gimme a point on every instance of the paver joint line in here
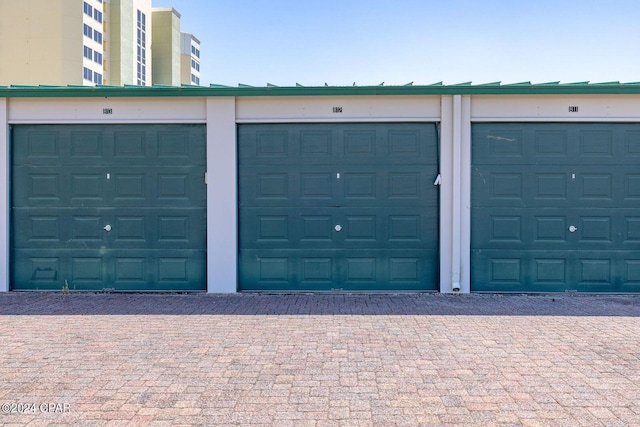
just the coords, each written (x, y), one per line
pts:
(340, 360)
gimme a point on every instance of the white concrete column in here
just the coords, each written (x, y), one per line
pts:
(446, 192)
(455, 194)
(222, 207)
(465, 195)
(456, 223)
(5, 165)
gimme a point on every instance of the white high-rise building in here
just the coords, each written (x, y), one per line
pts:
(129, 42)
(190, 59)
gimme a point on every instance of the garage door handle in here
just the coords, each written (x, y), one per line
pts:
(107, 227)
(337, 227)
(573, 228)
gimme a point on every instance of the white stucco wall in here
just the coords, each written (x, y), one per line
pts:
(4, 199)
(222, 211)
(455, 113)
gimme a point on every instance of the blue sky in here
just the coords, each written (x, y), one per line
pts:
(368, 42)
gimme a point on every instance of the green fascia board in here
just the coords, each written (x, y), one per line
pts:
(254, 91)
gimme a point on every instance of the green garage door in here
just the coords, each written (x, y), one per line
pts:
(555, 207)
(338, 206)
(117, 207)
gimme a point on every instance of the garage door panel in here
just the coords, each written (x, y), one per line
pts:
(595, 230)
(317, 187)
(631, 268)
(499, 186)
(181, 147)
(317, 143)
(121, 207)
(273, 186)
(338, 228)
(132, 271)
(305, 271)
(563, 216)
(277, 269)
(180, 229)
(617, 228)
(269, 227)
(340, 186)
(88, 271)
(555, 143)
(81, 145)
(631, 229)
(533, 271)
(521, 228)
(504, 227)
(495, 270)
(352, 144)
(38, 271)
(179, 269)
(87, 146)
(37, 147)
(402, 269)
(631, 187)
(312, 186)
(409, 186)
(555, 186)
(100, 186)
(148, 227)
(406, 229)
(596, 143)
(282, 227)
(336, 206)
(49, 269)
(262, 145)
(87, 229)
(551, 228)
(87, 187)
(40, 186)
(330, 270)
(392, 228)
(51, 228)
(632, 143)
(408, 144)
(41, 227)
(363, 143)
(551, 145)
(177, 186)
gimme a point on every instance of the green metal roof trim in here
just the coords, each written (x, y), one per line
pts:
(495, 88)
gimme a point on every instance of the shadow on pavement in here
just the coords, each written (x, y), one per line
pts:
(42, 303)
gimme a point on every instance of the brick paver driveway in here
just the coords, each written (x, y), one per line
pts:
(319, 360)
